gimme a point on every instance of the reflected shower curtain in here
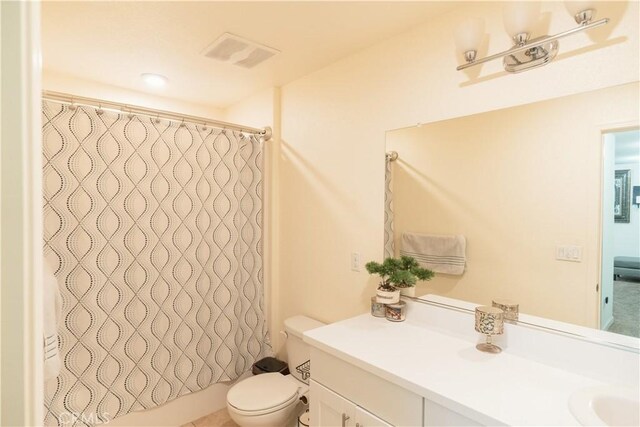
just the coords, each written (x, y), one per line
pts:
(154, 230)
(389, 246)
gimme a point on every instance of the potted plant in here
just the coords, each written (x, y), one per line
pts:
(396, 274)
(406, 277)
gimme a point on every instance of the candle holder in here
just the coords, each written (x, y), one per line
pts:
(490, 322)
(377, 308)
(510, 308)
(396, 312)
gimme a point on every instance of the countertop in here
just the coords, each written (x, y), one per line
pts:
(489, 388)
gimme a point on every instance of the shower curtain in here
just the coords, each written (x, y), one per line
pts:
(389, 245)
(154, 230)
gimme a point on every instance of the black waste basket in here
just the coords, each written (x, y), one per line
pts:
(270, 364)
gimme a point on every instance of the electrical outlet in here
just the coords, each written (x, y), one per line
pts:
(355, 261)
(569, 253)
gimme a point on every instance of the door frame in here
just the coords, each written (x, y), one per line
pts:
(601, 131)
(21, 351)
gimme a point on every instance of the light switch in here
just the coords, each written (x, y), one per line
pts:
(355, 261)
(569, 253)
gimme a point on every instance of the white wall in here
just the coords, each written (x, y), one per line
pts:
(54, 81)
(626, 236)
(333, 137)
(257, 111)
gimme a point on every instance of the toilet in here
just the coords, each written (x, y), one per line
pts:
(272, 399)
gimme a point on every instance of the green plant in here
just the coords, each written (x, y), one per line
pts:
(384, 270)
(403, 272)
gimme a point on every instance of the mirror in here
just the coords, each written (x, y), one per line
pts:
(531, 189)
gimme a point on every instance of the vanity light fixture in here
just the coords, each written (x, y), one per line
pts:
(154, 80)
(527, 53)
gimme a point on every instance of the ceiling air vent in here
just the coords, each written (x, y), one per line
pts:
(239, 51)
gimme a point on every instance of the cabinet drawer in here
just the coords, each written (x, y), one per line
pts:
(391, 403)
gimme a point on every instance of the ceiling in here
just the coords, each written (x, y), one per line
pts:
(114, 42)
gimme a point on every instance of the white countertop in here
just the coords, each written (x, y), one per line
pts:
(489, 388)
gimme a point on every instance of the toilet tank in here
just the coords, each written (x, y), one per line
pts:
(298, 350)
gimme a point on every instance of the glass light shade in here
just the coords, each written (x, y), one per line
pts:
(578, 6)
(520, 16)
(469, 34)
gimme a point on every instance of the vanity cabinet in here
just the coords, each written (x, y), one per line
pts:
(426, 371)
(344, 395)
(338, 388)
(330, 409)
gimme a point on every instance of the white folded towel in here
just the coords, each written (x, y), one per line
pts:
(442, 254)
(51, 315)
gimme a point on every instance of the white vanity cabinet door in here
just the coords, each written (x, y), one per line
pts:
(390, 402)
(329, 409)
(367, 419)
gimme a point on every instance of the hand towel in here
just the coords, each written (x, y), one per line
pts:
(442, 254)
(52, 311)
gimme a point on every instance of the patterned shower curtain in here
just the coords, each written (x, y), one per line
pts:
(389, 245)
(154, 230)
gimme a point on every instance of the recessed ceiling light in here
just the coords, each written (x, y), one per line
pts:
(154, 80)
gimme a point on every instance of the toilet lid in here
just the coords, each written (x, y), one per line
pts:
(262, 392)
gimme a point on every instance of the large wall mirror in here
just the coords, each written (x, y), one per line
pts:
(537, 192)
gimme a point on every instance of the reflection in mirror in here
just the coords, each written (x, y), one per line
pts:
(529, 192)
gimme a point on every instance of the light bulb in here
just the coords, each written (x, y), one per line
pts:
(520, 16)
(469, 34)
(154, 80)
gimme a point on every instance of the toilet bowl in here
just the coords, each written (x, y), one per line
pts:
(265, 400)
(273, 399)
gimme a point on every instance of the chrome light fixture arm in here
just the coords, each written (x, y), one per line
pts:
(530, 45)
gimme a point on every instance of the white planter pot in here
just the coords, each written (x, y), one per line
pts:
(386, 297)
(408, 292)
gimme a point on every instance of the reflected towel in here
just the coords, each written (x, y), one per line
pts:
(52, 311)
(442, 254)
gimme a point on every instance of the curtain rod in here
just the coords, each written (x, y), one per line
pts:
(150, 112)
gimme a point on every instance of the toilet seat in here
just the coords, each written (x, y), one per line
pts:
(267, 410)
(262, 394)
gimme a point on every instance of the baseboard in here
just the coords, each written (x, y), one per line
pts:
(608, 325)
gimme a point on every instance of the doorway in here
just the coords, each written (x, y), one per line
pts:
(620, 296)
